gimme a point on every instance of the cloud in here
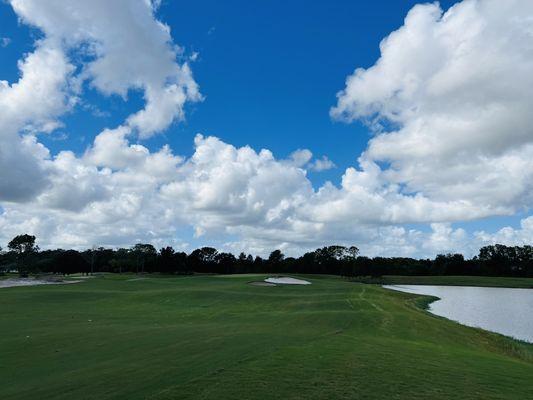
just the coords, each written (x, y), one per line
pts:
(118, 193)
(508, 235)
(65, 195)
(222, 186)
(321, 164)
(127, 48)
(4, 41)
(300, 157)
(31, 104)
(86, 42)
(243, 199)
(448, 102)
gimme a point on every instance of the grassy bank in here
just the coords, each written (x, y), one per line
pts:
(216, 337)
(487, 281)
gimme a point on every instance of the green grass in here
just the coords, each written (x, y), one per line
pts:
(215, 337)
(487, 281)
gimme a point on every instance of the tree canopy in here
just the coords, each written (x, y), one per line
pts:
(496, 260)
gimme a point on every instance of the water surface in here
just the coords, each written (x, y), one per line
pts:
(502, 310)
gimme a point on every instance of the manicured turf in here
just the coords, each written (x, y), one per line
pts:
(487, 281)
(216, 337)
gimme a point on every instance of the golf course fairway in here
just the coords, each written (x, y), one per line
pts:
(217, 337)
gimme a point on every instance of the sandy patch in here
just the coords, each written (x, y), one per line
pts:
(5, 283)
(286, 280)
(261, 283)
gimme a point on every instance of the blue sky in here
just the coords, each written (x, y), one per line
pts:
(269, 73)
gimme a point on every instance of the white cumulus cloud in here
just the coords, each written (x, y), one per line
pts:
(448, 102)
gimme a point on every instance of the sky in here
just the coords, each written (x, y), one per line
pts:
(401, 128)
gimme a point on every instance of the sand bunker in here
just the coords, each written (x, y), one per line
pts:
(285, 280)
(261, 283)
(5, 283)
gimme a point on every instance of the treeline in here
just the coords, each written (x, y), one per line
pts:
(25, 257)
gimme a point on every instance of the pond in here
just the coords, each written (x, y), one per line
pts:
(502, 310)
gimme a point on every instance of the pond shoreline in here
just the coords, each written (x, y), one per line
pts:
(504, 311)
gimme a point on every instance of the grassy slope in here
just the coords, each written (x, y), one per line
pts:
(214, 337)
(487, 281)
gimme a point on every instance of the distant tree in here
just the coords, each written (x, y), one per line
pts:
(352, 252)
(335, 259)
(4, 263)
(449, 264)
(241, 264)
(144, 253)
(274, 260)
(70, 262)
(23, 246)
(203, 260)
(120, 260)
(327, 255)
(525, 260)
(242, 257)
(93, 258)
(180, 259)
(307, 263)
(362, 267)
(376, 270)
(225, 263)
(259, 264)
(276, 257)
(497, 260)
(501, 260)
(244, 263)
(167, 262)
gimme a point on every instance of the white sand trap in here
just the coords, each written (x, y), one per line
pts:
(83, 276)
(286, 280)
(5, 283)
(261, 283)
